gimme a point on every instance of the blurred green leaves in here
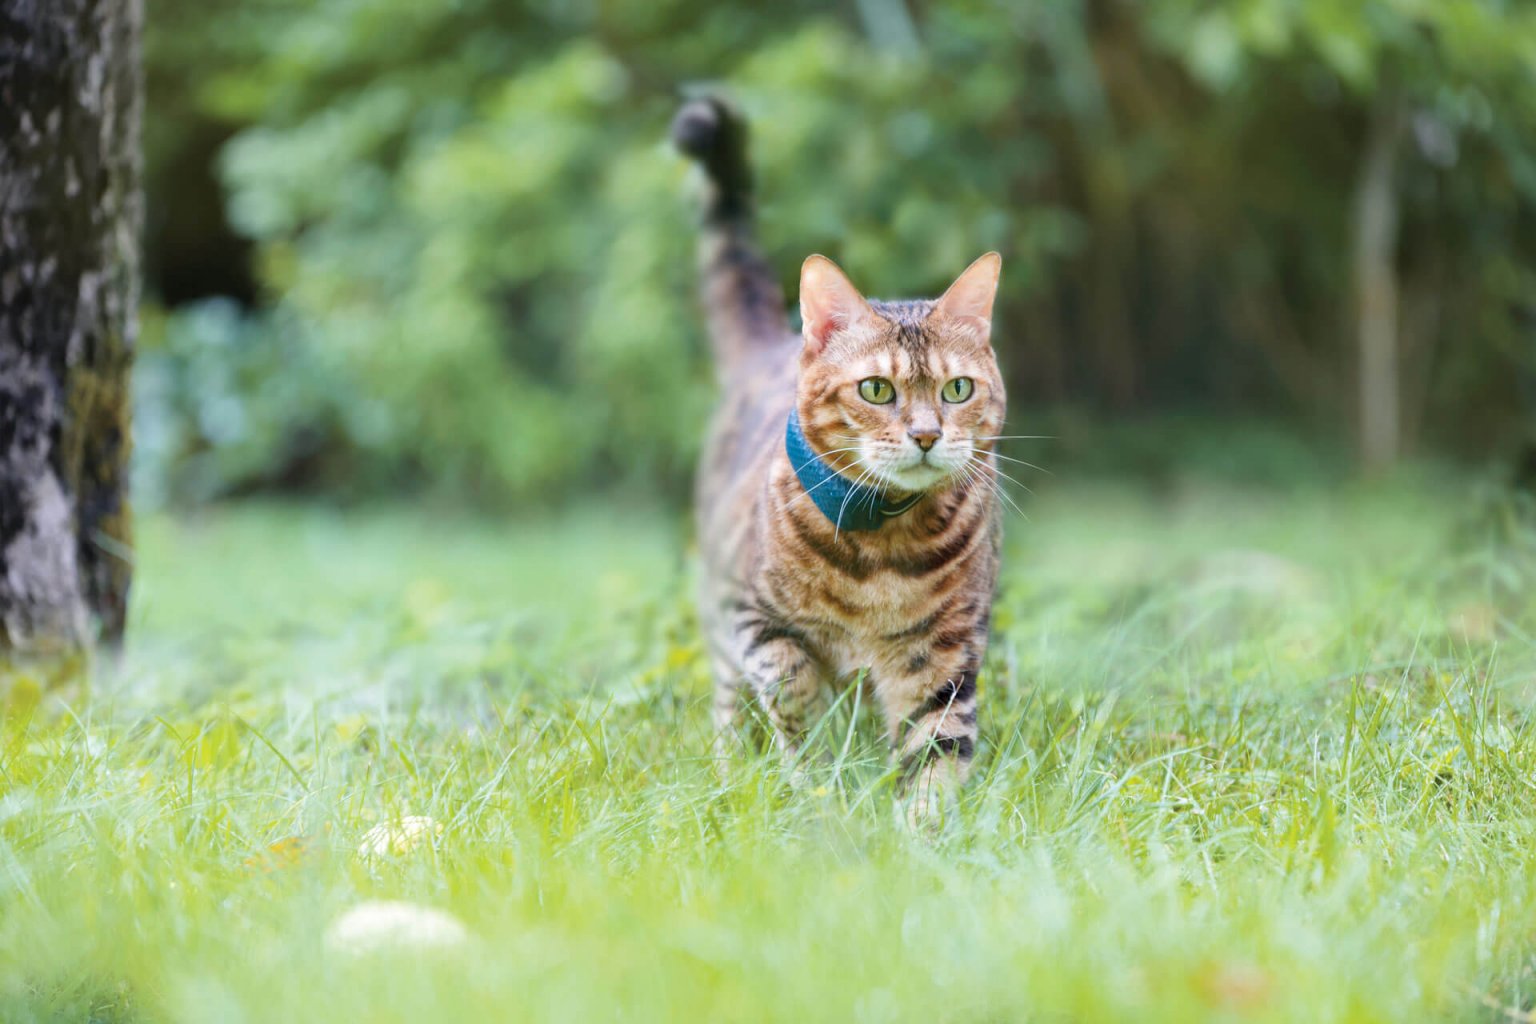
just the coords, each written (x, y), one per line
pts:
(474, 246)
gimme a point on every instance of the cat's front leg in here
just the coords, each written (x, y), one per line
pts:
(784, 676)
(929, 696)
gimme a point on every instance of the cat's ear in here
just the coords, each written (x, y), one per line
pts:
(969, 300)
(828, 302)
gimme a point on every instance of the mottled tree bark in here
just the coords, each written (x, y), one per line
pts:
(70, 215)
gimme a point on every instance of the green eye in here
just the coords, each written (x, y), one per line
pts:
(959, 389)
(876, 390)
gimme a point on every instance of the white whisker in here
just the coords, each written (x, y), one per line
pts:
(821, 455)
(837, 475)
(1013, 480)
(1017, 437)
(1009, 458)
(837, 524)
(977, 463)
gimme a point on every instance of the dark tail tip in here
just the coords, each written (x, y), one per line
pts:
(712, 132)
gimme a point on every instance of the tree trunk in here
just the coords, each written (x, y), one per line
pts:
(70, 215)
(1375, 280)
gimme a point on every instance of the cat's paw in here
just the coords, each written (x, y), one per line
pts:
(928, 810)
(918, 818)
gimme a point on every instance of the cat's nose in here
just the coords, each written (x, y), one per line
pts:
(924, 436)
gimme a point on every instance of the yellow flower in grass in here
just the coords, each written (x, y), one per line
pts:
(395, 838)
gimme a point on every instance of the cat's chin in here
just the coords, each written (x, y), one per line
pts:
(916, 479)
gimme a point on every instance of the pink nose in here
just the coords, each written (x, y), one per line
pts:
(924, 436)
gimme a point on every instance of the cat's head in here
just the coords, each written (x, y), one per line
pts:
(904, 395)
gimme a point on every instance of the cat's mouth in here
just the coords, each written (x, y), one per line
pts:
(920, 473)
(908, 469)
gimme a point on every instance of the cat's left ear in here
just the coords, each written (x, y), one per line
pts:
(968, 301)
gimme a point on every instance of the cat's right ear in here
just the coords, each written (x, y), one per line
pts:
(828, 302)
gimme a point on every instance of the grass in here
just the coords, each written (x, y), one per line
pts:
(1248, 755)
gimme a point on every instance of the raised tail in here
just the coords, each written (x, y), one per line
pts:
(742, 301)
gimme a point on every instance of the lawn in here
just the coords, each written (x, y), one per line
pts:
(1248, 754)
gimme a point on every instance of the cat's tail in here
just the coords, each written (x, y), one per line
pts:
(742, 300)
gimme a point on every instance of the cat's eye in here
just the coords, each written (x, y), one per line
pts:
(959, 389)
(876, 390)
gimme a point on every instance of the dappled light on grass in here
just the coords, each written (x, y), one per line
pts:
(1233, 765)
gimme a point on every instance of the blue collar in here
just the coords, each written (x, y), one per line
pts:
(847, 505)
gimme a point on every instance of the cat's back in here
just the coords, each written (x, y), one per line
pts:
(745, 433)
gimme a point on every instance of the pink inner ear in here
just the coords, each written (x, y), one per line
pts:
(828, 300)
(970, 297)
(819, 329)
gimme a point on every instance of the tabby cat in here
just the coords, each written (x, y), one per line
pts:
(847, 506)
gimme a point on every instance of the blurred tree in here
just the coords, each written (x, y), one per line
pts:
(1376, 289)
(1433, 97)
(69, 220)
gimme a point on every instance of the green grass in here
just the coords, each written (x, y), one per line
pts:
(1248, 755)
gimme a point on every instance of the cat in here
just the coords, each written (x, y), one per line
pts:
(847, 506)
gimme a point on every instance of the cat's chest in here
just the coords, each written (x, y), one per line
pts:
(888, 621)
(852, 615)
(856, 595)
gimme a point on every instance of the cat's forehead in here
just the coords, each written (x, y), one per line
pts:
(905, 339)
(904, 325)
(904, 313)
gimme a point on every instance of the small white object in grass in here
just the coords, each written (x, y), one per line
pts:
(384, 925)
(398, 837)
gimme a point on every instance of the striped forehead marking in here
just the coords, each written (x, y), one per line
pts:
(909, 318)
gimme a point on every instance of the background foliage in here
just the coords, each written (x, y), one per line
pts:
(444, 246)
(1258, 740)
